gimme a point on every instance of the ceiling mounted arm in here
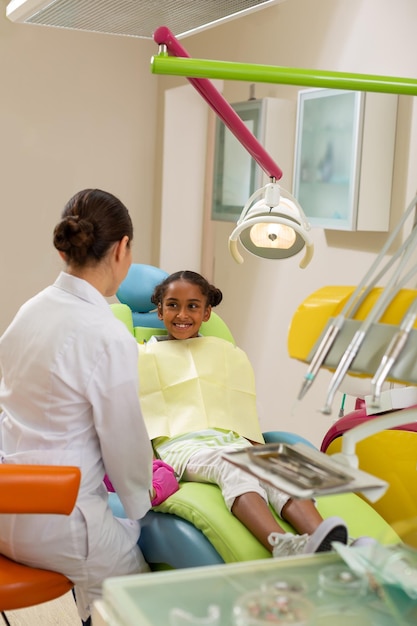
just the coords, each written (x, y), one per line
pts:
(278, 75)
(274, 227)
(163, 36)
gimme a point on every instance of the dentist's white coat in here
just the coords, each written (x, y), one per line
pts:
(69, 394)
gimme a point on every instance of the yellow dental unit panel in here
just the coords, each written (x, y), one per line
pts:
(314, 313)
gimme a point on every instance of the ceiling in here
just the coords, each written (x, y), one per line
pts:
(135, 18)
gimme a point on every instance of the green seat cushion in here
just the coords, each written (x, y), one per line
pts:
(124, 314)
(202, 505)
(216, 327)
(142, 333)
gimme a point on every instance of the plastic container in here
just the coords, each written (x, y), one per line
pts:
(179, 617)
(270, 608)
(339, 580)
(285, 584)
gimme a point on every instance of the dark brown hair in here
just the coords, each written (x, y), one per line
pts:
(214, 296)
(92, 220)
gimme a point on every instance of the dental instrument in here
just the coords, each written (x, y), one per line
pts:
(392, 288)
(363, 289)
(392, 354)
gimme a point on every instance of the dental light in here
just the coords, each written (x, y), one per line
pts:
(274, 227)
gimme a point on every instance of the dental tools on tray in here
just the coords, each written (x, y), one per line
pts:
(368, 346)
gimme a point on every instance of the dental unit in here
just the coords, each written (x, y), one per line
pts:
(364, 288)
(172, 59)
(389, 292)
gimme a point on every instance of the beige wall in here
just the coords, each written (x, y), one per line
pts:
(76, 110)
(80, 109)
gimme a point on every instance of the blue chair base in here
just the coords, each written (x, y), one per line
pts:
(165, 535)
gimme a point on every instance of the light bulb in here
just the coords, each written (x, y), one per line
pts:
(266, 235)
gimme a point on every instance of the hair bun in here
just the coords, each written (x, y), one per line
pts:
(75, 236)
(92, 221)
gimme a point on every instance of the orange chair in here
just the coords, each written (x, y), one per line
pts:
(34, 489)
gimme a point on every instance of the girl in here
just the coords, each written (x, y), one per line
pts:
(184, 301)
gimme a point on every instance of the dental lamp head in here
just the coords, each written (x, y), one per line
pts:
(274, 227)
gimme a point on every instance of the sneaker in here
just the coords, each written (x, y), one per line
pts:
(287, 544)
(362, 541)
(330, 530)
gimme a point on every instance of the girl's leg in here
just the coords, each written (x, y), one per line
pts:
(302, 515)
(248, 501)
(254, 513)
(242, 493)
(306, 520)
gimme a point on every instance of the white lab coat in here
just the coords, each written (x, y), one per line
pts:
(69, 394)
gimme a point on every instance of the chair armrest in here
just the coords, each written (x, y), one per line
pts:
(38, 488)
(280, 436)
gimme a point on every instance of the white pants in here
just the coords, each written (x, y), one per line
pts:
(207, 466)
(64, 544)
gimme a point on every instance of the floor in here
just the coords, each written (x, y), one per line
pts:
(60, 612)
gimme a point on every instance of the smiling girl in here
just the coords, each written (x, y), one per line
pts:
(184, 301)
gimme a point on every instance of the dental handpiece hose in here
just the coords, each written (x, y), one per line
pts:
(344, 364)
(320, 355)
(363, 289)
(391, 356)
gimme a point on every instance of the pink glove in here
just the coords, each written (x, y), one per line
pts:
(164, 481)
(108, 484)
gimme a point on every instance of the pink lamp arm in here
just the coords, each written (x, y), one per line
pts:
(221, 107)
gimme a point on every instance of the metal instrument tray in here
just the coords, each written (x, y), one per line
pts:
(284, 460)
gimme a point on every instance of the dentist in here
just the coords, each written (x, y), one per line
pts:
(69, 396)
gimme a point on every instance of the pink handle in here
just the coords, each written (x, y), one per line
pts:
(221, 107)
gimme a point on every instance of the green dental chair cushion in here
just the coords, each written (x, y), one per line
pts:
(202, 505)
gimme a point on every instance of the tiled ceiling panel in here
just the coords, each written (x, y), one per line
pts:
(135, 18)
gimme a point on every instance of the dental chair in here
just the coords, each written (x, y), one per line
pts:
(193, 527)
(34, 489)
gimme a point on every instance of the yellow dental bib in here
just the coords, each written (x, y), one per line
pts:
(194, 384)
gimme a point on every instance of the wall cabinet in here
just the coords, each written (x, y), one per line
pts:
(344, 156)
(236, 175)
